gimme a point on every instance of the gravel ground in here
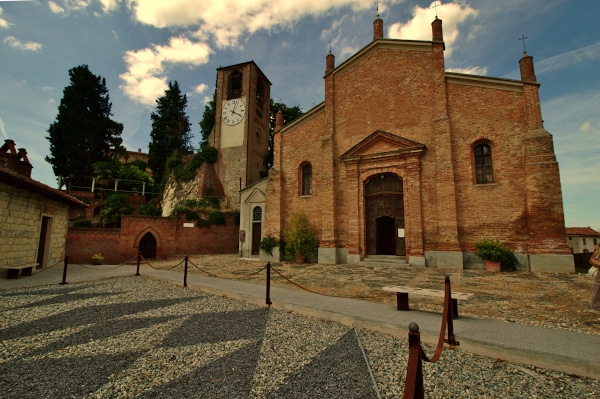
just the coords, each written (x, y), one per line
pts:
(138, 337)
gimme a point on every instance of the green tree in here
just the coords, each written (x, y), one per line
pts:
(289, 114)
(115, 205)
(208, 118)
(83, 132)
(170, 130)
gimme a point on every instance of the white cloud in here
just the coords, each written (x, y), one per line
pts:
(55, 8)
(226, 21)
(473, 70)
(2, 129)
(201, 88)
(585, 126)
(16, 43)
(109, 5)
(579, 56)
(419, 27)
(145, 78)
(3, 23)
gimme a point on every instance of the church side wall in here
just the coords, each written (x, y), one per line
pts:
(304, 144)
(496, 116)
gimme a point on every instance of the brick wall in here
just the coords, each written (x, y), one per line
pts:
(172, 239)
(401, 88)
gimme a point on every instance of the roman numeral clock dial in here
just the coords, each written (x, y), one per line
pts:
(233, 112)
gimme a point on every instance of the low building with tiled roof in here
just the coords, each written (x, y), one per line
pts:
(582, 239)
(33, 216)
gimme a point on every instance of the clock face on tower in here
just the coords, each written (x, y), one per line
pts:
(233, 111)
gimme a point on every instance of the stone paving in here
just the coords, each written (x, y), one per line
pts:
(553, 300)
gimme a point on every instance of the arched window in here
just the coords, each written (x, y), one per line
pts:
(257, 214)
(306, 179)
(483, 164)
(234, 89)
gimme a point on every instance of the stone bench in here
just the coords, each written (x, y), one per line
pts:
(13, 271)
(402, 296)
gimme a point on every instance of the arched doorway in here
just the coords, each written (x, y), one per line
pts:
(147, 246)
(384, 204)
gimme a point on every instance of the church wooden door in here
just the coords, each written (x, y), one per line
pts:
(384, 205)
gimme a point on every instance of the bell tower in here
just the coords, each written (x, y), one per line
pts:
(241, 131)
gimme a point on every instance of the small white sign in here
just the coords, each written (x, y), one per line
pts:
(400, 233)
(188, 225)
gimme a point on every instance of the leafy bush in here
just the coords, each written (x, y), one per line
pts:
(268, 243)
(202, 223)
(149, 209)
(191, 215)
(492, 250)
(300, 237)
(217, 217)
(114, 205)
(97, 258)
(82, 223)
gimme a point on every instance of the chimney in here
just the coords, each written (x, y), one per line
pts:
(14, 160)
(378, 28)
(526, 66)
(23, 155)
(278, 121)
(437, 32)
(329, 63)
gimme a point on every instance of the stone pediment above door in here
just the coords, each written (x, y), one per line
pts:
(382, 145)
(256, 196)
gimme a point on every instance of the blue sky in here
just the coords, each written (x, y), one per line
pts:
(138, 46)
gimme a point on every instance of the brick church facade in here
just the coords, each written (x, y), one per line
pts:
(403, 158)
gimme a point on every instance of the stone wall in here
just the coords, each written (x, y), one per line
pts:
(21, 215)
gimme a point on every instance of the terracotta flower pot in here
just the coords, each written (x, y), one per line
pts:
(492, 266)
(299, 258)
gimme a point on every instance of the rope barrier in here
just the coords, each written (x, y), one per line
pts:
(202, 270)
(48, 268)
(161, 268)
(316, 292)
(226, 278)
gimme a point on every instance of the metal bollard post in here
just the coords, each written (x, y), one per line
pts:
(185, 272)
(413, 386)
(269, 284)
(452, 312)
(64, 280)
(137, 272)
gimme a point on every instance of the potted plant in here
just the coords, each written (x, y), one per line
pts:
(495, 254)
(268, 243)
(97, 259)
(301, 239)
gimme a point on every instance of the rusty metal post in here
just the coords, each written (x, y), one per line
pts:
(413, 386)
(64, 280)
(452, 311)
(269, 284)
(185, 272)
(139, 257)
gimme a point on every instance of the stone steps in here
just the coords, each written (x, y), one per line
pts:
(385, 259)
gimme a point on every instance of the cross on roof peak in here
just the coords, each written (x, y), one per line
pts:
(523, 37)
